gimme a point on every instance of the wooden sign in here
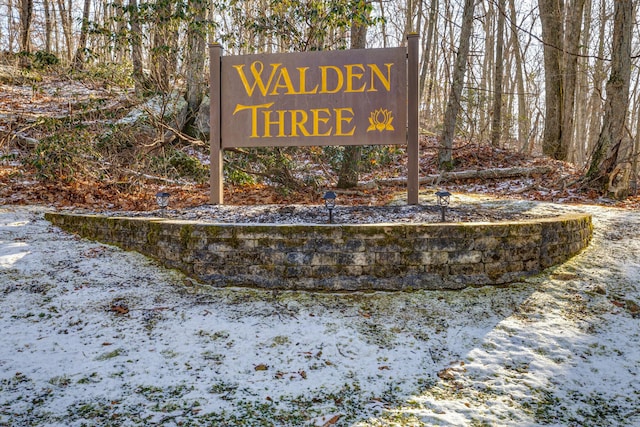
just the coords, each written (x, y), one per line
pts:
(349, 97)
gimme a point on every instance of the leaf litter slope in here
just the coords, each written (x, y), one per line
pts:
(95, 335)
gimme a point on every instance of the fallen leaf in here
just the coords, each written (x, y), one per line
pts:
(446, 374)
(331, 421)
(632, 307)
(119, 309)
(261, 367)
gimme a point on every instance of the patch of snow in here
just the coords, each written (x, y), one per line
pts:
(95, 335)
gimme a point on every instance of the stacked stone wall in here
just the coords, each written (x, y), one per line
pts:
(344, 257)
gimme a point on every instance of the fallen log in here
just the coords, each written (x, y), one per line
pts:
(494, 173)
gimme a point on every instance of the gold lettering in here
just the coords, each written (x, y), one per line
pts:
(284, 82)
(340, 112)
(357, 76)
(268, 123)
(254, 115)
(386, 81)
(297, 124)
(324, 79)
(317, 120)
(257, 67)
(302, 71)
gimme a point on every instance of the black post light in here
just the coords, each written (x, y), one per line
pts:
(330, 203)
(162, 199)
(443, 201)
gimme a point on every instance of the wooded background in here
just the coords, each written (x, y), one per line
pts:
(552, 77)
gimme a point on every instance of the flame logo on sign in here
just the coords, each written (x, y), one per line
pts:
(380, 120)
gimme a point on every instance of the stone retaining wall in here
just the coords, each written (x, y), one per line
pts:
(344, 257)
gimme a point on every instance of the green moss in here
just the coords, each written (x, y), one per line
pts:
(186, 232)
(153, 235)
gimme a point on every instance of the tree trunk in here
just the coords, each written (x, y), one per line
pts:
(577, 153)
(26, 16)
(161, 50)
(350, 168)
(572, 46)
(78, 59)
(486, 84)
(426, 53)
(523, 116)
(383, 24)
(551, 12)
(445, 157)
(66, 27)
(136, 46)
(194, 62)
(599, 76)
(610, 163)
(496, 123)
(47, 26)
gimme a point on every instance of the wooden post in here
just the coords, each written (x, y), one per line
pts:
(413, 147)
(215, 168)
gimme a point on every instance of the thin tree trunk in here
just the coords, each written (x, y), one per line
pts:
(26, 16)
(577, 154)
(136, 46)
(523, 115)
(383, 25)
(433, 8)
(47, 26)
(572, 47)
(445, 156)
(66, 28)
(496, 123)
(486, 84)
(194, 73)
(78, 60)
(595, 102)
(10, 35)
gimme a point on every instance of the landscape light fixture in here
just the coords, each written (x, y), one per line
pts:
(443, 201)
(330, 203)
(162, 199)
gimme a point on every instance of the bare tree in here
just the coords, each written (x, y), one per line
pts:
(65, 20)
(571, 46)
(496, 123)
(136, 45)
(523, 115)
(26, 16)
(551, 15)
(610, 168)
(445, 157)
(78, 59)
(48, 23)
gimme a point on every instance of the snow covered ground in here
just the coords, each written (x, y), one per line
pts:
(92, 335)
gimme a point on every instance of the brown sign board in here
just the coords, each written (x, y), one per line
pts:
(349, 97)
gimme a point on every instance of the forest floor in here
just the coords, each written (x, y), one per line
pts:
(93, 335)
(25, 109)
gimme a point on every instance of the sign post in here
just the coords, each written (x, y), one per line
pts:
(351, 97)
(413, 146)
(216, 178)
